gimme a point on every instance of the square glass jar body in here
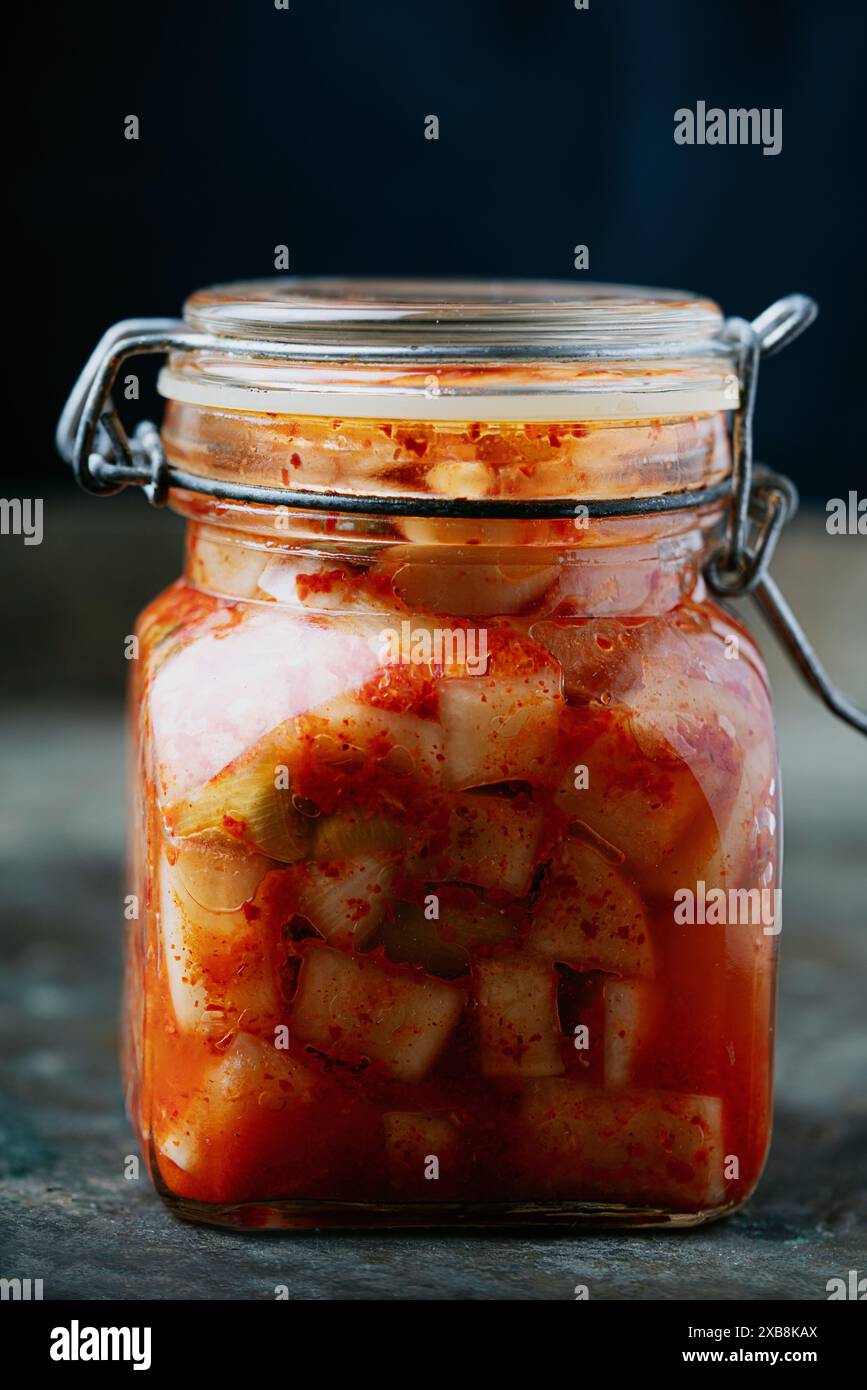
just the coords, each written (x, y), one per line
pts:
(458, 840)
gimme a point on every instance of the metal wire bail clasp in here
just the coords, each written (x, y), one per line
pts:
(90, 435)
(768, 500)
(736, 567)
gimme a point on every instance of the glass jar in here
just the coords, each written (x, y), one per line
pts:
(456, 819)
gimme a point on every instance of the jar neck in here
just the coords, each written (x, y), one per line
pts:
(327, 562)
(323, 563)
(446, 459)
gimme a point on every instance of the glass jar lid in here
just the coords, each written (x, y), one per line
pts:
(366, 316)
(454, 350)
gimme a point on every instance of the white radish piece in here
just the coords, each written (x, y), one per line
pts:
(187, 990)
(228, 565)
(344, 733)
(490, 841)
(499, 730)
(324, 585)
(629, 1019)
(345, 899)
(590, 916)
(519, 1033)
(639, 1147)
(414, 1138)
(650, 808)
(251, 1076)
(465, 583)
(354, 1009)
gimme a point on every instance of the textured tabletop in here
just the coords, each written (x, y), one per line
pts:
(70, 1217)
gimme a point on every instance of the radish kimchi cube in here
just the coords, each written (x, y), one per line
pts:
(631, 1146)
(590, 916)
(354, 1009)
(519, 1031)
(499, 731)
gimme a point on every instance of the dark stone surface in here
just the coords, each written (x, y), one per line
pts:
(69, 1217)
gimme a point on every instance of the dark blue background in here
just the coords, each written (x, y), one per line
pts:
(305, 127)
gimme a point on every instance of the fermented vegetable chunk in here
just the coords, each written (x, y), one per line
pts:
(630, 1017)
(746, 855)
(253, 802)
(225, 567)
(347, 737)
(323, 585)
(590, 916)
(517, 1012)
(251, 1078)
(596, 656)
(442, 944)
(217, 872)
(354, 833)
(651, 1146)
(411, 938)
(345, 900)
(499, 731)
(467, 585)
(423, 1152)
(189, 996)
(254, 1126)
(654, 812)
(354, 1009)
(487, 840)
(664, 773)
(252, 672)
(216, 965)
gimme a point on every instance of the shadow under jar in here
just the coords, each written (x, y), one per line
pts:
(442, 821)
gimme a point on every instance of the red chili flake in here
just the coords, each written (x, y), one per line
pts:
(404, 689)
(321, 582)
(295, 460)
